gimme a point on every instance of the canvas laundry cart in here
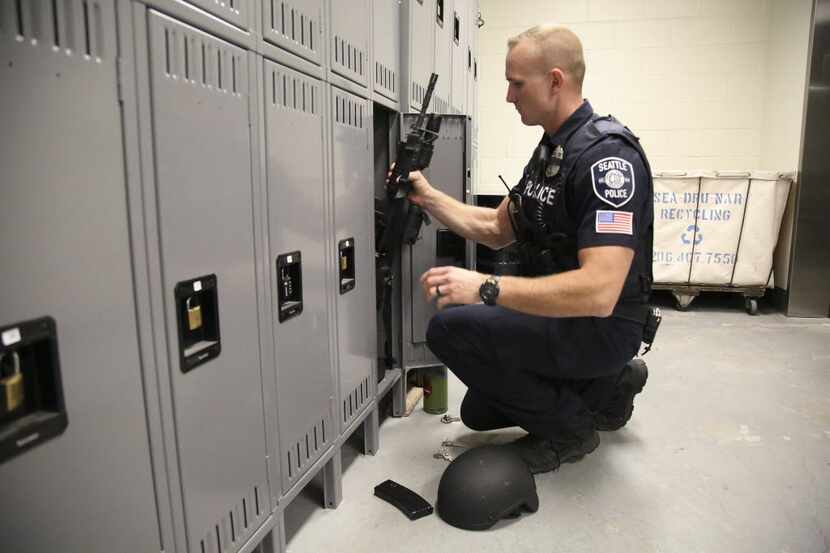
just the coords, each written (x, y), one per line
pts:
(716, 231)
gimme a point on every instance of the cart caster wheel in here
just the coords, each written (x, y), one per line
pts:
(751, 306)
(683, 301)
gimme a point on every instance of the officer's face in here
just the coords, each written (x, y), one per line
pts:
(528, 86)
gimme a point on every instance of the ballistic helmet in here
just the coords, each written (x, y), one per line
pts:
(484, 485)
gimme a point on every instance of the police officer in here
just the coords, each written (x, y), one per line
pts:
(550, 351)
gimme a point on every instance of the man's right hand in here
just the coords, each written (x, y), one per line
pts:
(420, 188)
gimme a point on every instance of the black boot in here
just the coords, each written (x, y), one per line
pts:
(546, 454)
(620, 406)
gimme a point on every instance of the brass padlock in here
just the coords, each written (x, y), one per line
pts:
(11, 387)
(194, 315)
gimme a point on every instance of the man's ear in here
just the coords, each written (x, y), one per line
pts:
(557, 79)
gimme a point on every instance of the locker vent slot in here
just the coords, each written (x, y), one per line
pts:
(356, 400)
(349, 56)
(385, 77)
(196, 60)
(294, 92)
(418, 93)
(306, 449)
(74, 25)
(348, 112)
(291, 23)
(230, 531)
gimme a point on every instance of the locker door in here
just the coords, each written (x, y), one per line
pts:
(349, 41)
(460, 42)
(354, 237)
(387, 47)
(295, 25)
(419, 29)
(200, 102)
(472, 54)
(443, 45)
(475, 75)
(296, 223)
(65, 253)
(436, 246)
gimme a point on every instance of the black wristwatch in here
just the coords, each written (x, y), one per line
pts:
(489, 290)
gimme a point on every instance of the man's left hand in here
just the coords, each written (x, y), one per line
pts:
(452, 285)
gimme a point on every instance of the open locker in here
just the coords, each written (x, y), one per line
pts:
(436, 245)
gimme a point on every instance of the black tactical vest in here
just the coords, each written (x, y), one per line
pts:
(548, 243)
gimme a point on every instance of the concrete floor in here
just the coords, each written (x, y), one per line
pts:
(728, 450)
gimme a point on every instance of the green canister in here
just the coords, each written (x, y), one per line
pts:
(435, 390)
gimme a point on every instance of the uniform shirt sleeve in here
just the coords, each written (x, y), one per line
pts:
(610, 195)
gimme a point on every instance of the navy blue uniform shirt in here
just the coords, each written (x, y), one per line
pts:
(607, 192)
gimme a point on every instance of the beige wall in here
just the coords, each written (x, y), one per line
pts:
(706, 84)
(690, 77)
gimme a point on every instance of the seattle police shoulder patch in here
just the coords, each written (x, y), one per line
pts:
(613, 179)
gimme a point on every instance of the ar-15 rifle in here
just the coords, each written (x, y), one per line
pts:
(414, 154)
(403, 219)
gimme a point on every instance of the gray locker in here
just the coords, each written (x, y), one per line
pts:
(460, 50)
(471, 74)
(203, 184)
(418, 55)
(472, 31)
(443, 45)
(295, 25)
(353, 197)
(473, 92)
(386, 46)
(436, 245)
(476, 95)
(295, 180)
(65, 250)
(236, 12)
(349, 39)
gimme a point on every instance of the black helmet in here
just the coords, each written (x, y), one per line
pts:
(484, 485)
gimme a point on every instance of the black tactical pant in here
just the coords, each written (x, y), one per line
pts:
(543, 374)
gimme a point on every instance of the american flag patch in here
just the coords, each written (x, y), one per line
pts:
(615, 222)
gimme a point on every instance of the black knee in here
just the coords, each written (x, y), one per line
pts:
(477, 414)
(472, 422)
(468, 416)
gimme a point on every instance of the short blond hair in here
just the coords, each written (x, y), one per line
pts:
(558, 47)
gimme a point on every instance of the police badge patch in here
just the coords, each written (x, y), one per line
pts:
(613, 180)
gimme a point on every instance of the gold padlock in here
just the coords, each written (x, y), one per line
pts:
(194, 315)
(11, 387)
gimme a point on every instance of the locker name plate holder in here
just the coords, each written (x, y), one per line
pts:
(197, 314)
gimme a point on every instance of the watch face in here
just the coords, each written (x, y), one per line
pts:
(489, 291)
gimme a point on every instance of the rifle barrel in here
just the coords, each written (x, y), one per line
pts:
(427, 97)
